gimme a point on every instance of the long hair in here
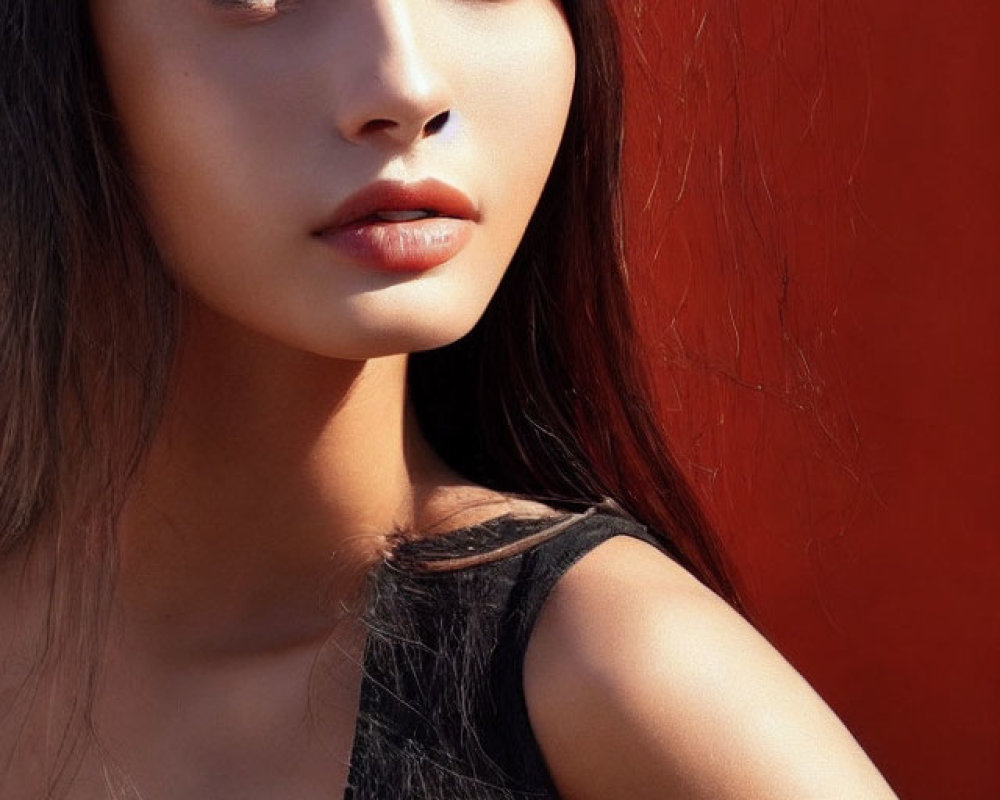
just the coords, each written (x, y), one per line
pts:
(87, 330)
(546, 396)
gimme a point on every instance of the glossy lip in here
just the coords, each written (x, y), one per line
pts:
(430, 194)
(403, 247)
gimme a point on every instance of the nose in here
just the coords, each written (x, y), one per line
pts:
(391, 93)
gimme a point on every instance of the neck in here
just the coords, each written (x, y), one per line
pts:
(269, 489)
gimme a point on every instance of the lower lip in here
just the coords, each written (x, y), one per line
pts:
(413, 246)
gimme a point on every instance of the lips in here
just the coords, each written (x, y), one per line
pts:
(398, 227)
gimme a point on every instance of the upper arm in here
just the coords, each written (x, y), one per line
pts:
(641, 683)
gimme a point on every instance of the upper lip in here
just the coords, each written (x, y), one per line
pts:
(429, 194)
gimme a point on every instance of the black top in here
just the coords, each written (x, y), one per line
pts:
(442, 710)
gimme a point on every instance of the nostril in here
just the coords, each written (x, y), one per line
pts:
(437, 123)
(376, 125)
(393, 127)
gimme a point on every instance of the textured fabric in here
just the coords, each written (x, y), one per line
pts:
(442, 710)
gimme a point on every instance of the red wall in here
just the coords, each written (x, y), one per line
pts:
(813, 227)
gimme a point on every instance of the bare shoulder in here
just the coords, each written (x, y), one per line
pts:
(642, 683)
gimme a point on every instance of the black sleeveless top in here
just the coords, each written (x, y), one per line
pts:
(442, 710)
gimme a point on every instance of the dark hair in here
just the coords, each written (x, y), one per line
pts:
(548, 395)
(545, 397)
(87, 326)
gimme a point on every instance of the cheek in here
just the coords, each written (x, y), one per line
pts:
(521, 93)
(518, 100)
(196, 135)
(197, 168)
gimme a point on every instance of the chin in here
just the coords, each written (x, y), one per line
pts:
(406, 319)
(379, 321)
(412, 332)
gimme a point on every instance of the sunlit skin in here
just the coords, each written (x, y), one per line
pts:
(248, 128)
(288, 449)
(248, 125)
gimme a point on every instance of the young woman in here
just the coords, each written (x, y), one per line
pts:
(252, 548)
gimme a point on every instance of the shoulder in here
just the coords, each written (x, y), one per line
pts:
(641, 683)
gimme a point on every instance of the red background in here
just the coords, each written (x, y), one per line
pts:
(813, 211)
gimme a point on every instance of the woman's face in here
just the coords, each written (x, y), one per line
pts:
(289, 153)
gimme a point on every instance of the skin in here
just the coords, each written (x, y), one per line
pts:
(641, 683)
(289, 449)
(247, 128)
